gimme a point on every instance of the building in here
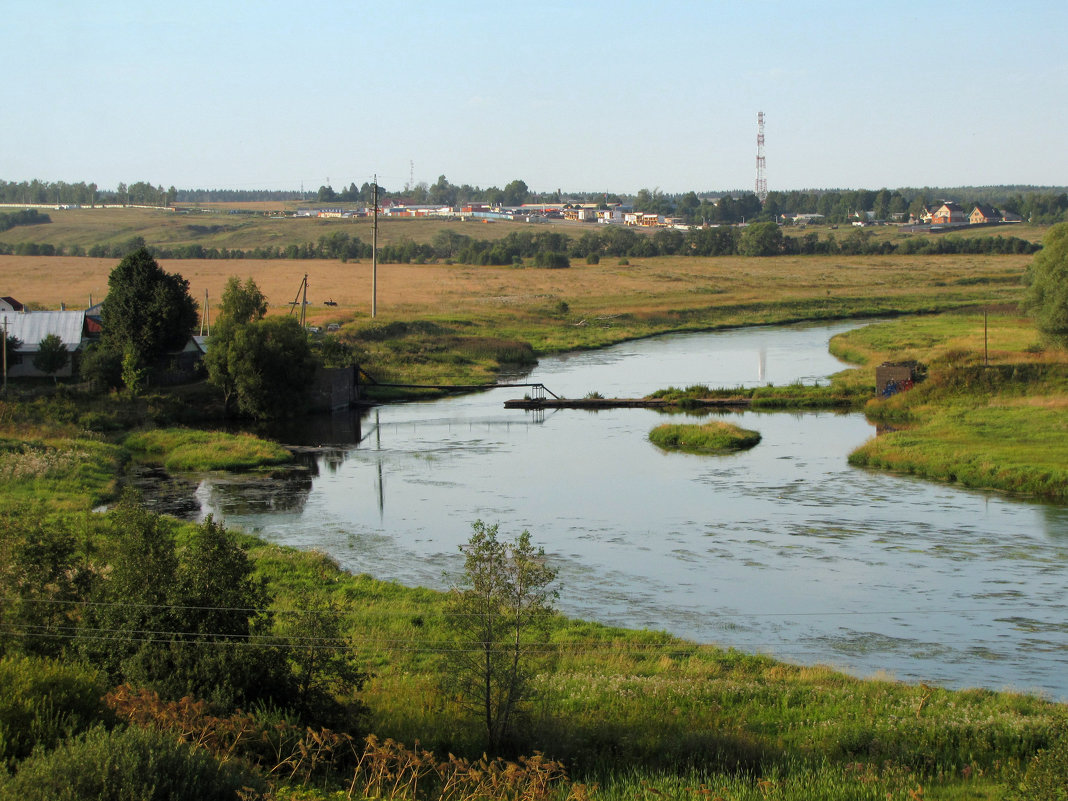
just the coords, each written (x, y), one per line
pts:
(949, 213)
(30, 328)
(10, 305)
(984, 214)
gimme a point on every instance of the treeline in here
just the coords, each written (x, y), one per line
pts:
(26, 217)
(1042, 205)
(546, 247)
(61, 193)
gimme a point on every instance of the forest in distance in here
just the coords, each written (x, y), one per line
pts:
(1037, 204)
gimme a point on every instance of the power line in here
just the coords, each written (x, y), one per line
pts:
(409, 613)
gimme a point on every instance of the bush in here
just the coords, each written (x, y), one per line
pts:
(1046, 777)
(42, 701)
(128, 764)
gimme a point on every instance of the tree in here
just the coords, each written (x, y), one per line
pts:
(324, 670)
(515, 193)
(263, 365)
(11, 345)
(147, 308)
(51, 356)
(1047, 295)
(761, 239)
(182, 620)
(134, 376)
(39, 578)
(498, 612)
(243, 303)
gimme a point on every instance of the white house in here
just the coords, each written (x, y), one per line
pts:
(30, 328)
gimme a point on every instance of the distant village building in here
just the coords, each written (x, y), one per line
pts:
(949, 213)
(30, 328)
(984, 214)
(8, 304)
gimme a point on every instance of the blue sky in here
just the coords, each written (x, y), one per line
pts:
(581, 95)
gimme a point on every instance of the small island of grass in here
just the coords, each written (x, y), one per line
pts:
(705, 438)
(189, 449)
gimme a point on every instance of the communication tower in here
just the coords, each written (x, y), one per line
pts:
(761, 167)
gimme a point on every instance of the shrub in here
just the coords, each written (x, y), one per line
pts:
(128, 765)
(43, 701)
(1046, 777)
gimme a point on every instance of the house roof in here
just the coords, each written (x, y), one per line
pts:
(986, 211)
(32, 327)
(14, 304)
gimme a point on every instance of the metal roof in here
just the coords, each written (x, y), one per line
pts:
(32, 327)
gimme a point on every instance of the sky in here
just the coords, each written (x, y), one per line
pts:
(582, 95)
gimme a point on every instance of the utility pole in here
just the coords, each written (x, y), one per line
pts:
(5, 356)
(374, 249)
(986, 340)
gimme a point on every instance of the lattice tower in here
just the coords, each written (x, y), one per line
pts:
(761, 166)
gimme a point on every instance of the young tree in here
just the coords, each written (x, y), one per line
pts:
(325, 673)
(51, 356)
(1047, 296)
(39, 580)
(242, 303)
(147, 308)
(11, 346)
(498, 612)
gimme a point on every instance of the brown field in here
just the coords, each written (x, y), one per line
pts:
(646, 287)
(215, 228)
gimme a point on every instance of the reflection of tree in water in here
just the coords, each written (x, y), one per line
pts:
(164, 493)
(283, 489)
(1055, 518)
(317, 430)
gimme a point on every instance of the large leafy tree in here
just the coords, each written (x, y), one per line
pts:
(498, 613)
(147, 308)
(264, 366)
(1047, 296)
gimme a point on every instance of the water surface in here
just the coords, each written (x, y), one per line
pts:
(783, 549)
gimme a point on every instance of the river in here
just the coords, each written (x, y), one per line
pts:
(783, 549)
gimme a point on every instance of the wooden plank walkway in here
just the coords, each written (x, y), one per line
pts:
(625, 403)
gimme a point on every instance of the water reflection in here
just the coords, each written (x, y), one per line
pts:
(284, 489)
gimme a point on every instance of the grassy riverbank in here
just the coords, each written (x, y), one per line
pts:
(189, 449)
(642, 714)
(991, 415)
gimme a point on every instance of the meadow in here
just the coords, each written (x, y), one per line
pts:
(632, 714)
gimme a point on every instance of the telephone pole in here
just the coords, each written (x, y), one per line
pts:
(374, 249)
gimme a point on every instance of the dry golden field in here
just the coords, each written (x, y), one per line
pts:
(656, 286)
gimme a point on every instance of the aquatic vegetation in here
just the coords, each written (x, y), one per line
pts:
(704, 438)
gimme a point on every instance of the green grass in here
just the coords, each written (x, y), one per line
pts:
(703, 438)
(992, 413)
(1003, 428)
(642, 713)
(843, 392)
(71, 473)
(190, 449)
